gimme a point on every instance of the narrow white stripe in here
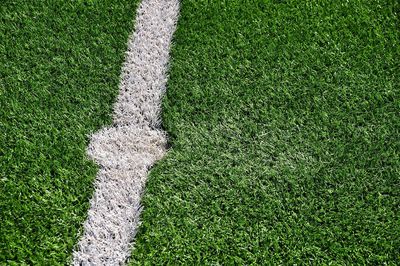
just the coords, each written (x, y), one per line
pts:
(127, 150)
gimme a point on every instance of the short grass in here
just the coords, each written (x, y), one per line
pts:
(284, 125)
(60, 64)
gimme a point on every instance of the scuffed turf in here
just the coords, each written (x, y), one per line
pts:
(60, 65)
(284, 125)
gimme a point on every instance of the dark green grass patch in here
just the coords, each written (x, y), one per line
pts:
(60, 63)
(284, 125)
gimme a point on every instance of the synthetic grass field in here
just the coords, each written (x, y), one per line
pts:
(284, 125)
(60, 65)
(283, 118)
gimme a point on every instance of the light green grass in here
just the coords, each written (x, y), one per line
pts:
(284, 125)
(60, 64)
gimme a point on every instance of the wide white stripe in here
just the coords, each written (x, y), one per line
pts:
(127, 150)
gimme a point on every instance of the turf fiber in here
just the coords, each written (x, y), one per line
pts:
(283, 119)
(60, 65)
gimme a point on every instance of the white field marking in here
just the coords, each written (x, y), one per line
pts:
(127, 150)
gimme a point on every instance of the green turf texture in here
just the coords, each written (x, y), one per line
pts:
(60, 65)
(284, 125)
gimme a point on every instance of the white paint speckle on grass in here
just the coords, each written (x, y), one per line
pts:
(126, 150)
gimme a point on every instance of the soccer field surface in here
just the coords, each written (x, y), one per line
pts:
(282, 119)
(59, 75)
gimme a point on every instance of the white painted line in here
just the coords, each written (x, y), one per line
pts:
(127, 150)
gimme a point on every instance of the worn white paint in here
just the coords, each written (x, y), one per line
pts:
(126, 150)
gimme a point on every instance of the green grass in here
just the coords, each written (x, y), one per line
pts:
(60, 64)
(284, 125)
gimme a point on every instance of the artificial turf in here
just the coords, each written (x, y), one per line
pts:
(60, 65)
(283, 119)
